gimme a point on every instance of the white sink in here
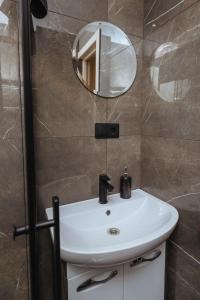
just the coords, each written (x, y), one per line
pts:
(140, 224)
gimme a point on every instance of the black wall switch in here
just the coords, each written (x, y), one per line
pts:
(106, 130)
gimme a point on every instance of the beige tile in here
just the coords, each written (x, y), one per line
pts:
(170, 167)
(91, 10)
(137, 43)
(183, 26)
(12, 208)
(188, 206)
(170, 106)
(170, 170)
(126, 14)
(126, 109)
(9, 96)
(63, 107)
(187, 239)
(60, 23)
(9, 28)
(13, 268)
(13, 262)
(122, 152)
(69, 167)
(159, 12)
(170, 128)
(10, 122)
(9, 58)
(185, 266)
(178, 288)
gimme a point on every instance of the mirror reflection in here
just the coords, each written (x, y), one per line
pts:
(104, 59)
(169, 82)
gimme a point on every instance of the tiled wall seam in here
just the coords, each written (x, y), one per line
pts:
(171, 137)
(185, 252)
(169, 19)
(87, 21)
(186, 282)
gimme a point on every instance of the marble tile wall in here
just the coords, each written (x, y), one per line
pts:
(171, 133)
(158, 12)
(163, 102)
(161, 107)
(68, 157)
(13, 261)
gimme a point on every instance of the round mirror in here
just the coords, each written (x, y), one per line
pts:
(104, 59)
(169, 82)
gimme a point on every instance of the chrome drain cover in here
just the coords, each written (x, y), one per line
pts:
(114, 231)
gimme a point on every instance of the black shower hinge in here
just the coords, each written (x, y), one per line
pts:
(55, 223)
(39, 8)
(21, 230)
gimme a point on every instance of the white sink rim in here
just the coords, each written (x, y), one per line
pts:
(116, 255)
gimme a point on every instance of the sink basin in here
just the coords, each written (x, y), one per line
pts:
(99, 235)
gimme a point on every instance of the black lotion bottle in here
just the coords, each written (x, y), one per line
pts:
(125, 185)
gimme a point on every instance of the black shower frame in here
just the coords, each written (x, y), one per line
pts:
(29, 146)
(29, 159)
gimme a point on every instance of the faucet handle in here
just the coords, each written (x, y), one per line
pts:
(110, 188)
(106, 180)
(104, 177)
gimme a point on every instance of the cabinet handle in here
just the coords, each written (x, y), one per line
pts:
(90, 282)
(154, 255)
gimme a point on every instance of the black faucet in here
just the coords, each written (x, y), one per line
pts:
(104, 188)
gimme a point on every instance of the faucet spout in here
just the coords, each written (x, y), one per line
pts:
(109, 187)
(104, 188)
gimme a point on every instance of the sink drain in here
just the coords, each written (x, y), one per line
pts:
(113, 231)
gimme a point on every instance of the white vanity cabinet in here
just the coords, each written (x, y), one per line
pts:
(97, 284)
(146, 280)
(140, 279)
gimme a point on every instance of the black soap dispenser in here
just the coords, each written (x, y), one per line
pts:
(125, 185)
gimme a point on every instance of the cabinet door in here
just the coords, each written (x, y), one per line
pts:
(145, 280)
(106, 284)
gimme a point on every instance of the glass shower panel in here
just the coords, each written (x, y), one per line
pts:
(13, 255)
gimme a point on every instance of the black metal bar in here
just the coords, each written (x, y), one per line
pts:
(55, 223)
(29, 158)
(39, 8)
(57, 263)
(17, 231)
(45, 224)
(29, 146)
